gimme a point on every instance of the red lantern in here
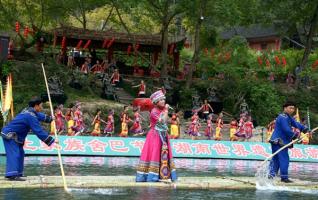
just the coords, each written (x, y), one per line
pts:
(212, 53)
(87, 44)
(137, 46)
(105, 43)
(268, 64)
(315, 65)
(110, 43)
(64, 43)
(17, 27)
(227, 56)
(79, 44)
(284, 61)
(129, 50)
(277, 60)
(26, 32)
(171, 49)
(206, 51)
(259, 60)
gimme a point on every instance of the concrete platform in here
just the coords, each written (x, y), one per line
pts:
(129, 181)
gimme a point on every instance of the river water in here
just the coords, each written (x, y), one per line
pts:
(108, 166)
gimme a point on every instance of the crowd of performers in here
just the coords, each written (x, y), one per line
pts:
(75, 125)
(72, 124)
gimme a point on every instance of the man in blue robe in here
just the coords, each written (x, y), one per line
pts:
(282, 135)
(16, 131)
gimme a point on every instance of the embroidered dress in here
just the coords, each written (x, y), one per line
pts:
(241, 131)
(248, 127)
(59, 121)
(194, 127)
(136, 127)
(78, 122)
(208, 131)
(156, 161)
(109, 129)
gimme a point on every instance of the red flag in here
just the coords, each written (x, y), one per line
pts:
(110, 43)
(17, 27)
(79, 44)
(129, 50)
(64, 42)
(26, 32)
(105, 43)
(87, 44)
(284, 61)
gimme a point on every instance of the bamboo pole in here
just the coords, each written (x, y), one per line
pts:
(53, 124)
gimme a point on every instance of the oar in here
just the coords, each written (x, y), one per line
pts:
(55, 133)
(284, 147)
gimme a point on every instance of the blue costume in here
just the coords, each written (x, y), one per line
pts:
(14, 135)
(281, 136)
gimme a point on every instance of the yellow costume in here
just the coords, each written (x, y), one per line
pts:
(305, 138)
(70, 124)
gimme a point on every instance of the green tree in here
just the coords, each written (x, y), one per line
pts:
(296, 14)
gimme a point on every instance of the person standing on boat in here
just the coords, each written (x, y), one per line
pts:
(16, 131)
(156, 161)
(282, 135)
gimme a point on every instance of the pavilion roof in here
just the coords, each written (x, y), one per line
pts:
(97, 37)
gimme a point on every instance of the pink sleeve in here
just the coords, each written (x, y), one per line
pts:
(155, 114)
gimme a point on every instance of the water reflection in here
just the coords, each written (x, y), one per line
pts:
(107, 166)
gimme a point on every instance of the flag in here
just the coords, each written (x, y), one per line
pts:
(297, 118)
(7, 98)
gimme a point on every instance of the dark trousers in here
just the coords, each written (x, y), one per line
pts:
(15, 158)
(279, 162)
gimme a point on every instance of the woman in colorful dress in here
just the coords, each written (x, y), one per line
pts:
(233, 129)
(78, 120)
(219, 126)
(59, 120)
(240, 133)
(110, 126)
(69, 115)
(194, 129)
(124, 122)
(175, 126)
(209, 129)
(156, 161)
(96, 123)
(248, 127)
(136, 128)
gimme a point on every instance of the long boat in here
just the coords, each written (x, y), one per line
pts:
(182, 148)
